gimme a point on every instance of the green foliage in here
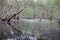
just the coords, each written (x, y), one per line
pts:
(28, 11)
(2, 2)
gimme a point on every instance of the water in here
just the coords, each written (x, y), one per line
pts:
(23, 37)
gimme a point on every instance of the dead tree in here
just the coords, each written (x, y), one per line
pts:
(6, 20)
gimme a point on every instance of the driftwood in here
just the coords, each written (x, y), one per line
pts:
(7, 22)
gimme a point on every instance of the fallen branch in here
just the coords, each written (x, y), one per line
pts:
(15, 15)
(7, 20)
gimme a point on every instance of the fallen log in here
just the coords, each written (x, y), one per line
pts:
(6, 29)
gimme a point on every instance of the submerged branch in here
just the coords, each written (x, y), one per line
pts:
(15, 28)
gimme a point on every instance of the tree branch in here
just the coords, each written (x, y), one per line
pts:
(8, 20)
(15, 15)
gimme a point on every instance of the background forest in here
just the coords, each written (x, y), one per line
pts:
(37, 17)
